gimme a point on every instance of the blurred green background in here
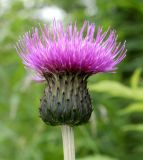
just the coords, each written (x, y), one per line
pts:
(115, 131)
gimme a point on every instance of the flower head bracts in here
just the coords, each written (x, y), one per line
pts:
(57, 50)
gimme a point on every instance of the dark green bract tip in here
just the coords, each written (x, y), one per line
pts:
(66, 100)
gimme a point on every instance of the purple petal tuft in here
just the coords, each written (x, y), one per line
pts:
(57, 50)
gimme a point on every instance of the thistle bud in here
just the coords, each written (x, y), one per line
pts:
(66, 100)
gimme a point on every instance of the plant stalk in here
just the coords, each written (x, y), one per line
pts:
(68, 142)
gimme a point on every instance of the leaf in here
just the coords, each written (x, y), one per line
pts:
(117, 89)
(133, 127)
(98, 157)
(111, 87)
(135, 78)
(134, 107)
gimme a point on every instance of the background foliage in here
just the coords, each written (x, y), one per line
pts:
(115, 131)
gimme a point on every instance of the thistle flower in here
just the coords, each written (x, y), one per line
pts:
(65, 59)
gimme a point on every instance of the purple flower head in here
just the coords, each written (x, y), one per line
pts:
(55, 50)
(65, 58)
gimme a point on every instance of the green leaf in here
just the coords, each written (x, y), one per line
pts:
(133, 127)
(117, 89)
(135, 78)
(98, 157)
(134, 107)
(111, 87)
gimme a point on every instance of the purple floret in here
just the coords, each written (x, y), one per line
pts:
(54, 50)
